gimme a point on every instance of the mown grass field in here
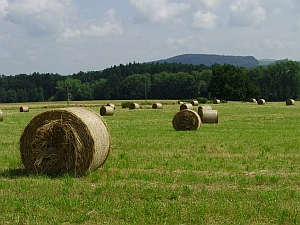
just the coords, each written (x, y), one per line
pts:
(243, 170)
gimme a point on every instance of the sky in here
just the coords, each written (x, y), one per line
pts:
(68, 36)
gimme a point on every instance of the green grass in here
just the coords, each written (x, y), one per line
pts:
(244, 170)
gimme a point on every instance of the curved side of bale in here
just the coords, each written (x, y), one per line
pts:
(186, 106)
(24, 109)
(252, 100)
(111, 105)
(1, 116)
(209, 116)
(186, 120)
(194, 103)
(290, 102)
(107, 111)
(157, 105)
(201, 108)
(134, 106)
(216, 101)
(261, 101)
(70, 140)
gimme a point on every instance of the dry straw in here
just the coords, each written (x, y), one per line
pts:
(252, 100)
(71, 140)
(107, 111)
(134, 106)
(290, 102)
(202, 108)
(1, 116)
(157, 105)
(194, 103)
(209, 116)
(216, 101)
(24, 109)
(186, 106)
(111, 104)
(186, 120)
(261, 101)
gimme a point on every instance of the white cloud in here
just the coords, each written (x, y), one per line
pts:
(110, 26)
(3, 6)
(187, 41)
(246, 13)
(159, 11)
(273, 43)
(205, 21)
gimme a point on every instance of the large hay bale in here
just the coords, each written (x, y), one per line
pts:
(111, 104)
(186, 120)
(186, 106)
(261, 101)
(24, 109)
(70, 140)
(209, 116)
(290, 102)
(252, 100)
(216, 101)
(157, 105)
(134, 106)
(194, 103)
(1, 116)
(201, 108)
(107, 111)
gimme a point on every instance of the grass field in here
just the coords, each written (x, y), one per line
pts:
(243, 170)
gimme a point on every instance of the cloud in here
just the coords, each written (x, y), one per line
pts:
(159, 11)
(38, 17)
(205, 21)
(3, 6)
(110, 26)
(187, 41)
(246, 13)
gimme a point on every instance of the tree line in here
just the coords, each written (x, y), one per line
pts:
(276, 82)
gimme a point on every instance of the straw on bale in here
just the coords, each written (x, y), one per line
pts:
(24, 109)
(216, 101)
(209, 116)
(1, 116)
(186, 106)
(157, 105)
(201, 108)
(194, 103)
(261, 101)
(134, 106)
(107, 111)
(70, 140)
(111, 104)
(252, 100)
(290, 102)
(186, 120)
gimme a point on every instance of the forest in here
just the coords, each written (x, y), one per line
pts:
(275, 82)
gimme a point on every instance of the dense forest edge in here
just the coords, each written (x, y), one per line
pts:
(158, 80)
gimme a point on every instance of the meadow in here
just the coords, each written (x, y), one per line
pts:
(243, 170)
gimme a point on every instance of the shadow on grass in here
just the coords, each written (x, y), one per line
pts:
(14, 173)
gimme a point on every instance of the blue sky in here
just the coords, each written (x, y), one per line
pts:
(68, 36)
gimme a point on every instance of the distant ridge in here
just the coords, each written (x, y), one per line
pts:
(208, 60)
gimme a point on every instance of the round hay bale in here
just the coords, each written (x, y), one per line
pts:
(24, 109)
(186, 120)
(194, 103)
(107, 111)
(261, 101)
(111, 105)
(209, 116)
(186, 106)
(201, 108)
(157, 105)
(1, 116)
(70, 140)
(216, 101)
(134, 106)
(290, 102)
(252, 100)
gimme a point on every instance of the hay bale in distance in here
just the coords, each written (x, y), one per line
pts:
(134, 106)
(201, 108)
(111, 104)
(261, 101)
(24, 109)
(157, 105)
(186, 120)
(290, 102)
(107, 111)
(1, 116)
(70, 140)
(194, 103)
(252, 100)
(209, 116)
(216, 101)
(186, 106)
